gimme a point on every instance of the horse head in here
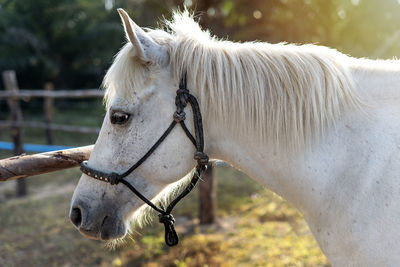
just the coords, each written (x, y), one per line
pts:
(140, 101)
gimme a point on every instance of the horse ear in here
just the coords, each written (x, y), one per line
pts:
(147, 50)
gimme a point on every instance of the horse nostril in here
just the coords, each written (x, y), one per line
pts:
(104, 220)
(76, 216)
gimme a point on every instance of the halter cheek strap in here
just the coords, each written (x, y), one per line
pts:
(182, 98)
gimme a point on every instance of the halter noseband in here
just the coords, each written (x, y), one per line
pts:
(182, 98)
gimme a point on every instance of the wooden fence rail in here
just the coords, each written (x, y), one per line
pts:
(50, 126)
(27, 94)
(29, 165)
(13, 94)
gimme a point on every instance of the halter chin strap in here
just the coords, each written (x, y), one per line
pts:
(182, 98)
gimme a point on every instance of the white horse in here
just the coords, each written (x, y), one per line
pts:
(317, 127)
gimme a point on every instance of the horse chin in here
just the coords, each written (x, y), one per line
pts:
(111, 229)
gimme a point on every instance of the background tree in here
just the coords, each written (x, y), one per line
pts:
(71, 42)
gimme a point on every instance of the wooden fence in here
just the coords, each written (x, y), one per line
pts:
(28, 94)
(13, 94)
(22, 166)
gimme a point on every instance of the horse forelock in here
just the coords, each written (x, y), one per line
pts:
(125, 76)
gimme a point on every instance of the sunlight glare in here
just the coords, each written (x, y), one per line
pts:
(257, 14)
(211, 12)
(188, 3)
(109, 4)
(342, 14)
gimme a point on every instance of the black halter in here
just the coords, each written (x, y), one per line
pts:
(182, 98)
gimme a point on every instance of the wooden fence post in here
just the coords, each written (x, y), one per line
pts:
(49, 112)
(208, 196)
(11, 85)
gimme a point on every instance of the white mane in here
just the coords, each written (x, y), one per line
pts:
(286, 94)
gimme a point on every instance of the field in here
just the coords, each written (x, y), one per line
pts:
(255, 227)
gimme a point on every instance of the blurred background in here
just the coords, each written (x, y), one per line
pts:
(69, 44)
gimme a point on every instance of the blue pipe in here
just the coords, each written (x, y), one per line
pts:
(33, 147)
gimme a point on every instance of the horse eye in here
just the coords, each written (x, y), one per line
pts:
(119, 117)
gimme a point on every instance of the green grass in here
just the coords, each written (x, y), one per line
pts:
(37, 232)
(256, 227)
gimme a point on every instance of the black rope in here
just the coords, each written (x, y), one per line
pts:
(198, 126)
(182, 98)
(137, 193)
(189, 187)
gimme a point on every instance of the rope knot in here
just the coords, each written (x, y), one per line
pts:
(182, 96)
(179, 116)
(171, 237)
(201, 157)
(166, 219)
(114, 178)
(182, 91)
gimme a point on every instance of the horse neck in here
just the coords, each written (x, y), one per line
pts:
(291, 175)
(378, 80)
(326, 182)
(302, 177)
(314, 181)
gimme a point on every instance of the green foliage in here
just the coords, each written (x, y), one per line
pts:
(358, 27)
(67, 42)
(72, 42)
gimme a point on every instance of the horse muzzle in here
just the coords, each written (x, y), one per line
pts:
(97, 222)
